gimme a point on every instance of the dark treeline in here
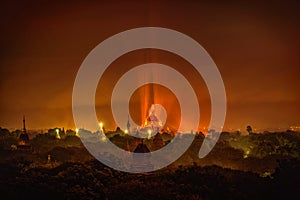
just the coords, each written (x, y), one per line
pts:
(253, 166)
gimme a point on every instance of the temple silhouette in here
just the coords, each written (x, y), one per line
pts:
(23, 141)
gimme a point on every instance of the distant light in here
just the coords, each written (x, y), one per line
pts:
(246, 154)
(149, 134)
(103, 138)
(57, 133)
(126, 131)
(76, 132)
(101, 125)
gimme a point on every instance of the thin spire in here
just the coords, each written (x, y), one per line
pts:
(24, 126)
(128, 123)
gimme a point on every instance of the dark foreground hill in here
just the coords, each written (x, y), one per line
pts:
(257, 166)
(92, 180)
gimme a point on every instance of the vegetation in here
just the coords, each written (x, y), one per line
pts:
(254, 166)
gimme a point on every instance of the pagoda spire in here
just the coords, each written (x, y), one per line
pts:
(24, 125)
(128, 124)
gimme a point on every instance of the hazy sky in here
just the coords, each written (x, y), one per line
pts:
(256, 46)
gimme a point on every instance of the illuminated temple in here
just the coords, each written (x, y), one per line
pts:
(152, 124)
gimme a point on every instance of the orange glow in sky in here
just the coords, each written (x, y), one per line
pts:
(254, 44)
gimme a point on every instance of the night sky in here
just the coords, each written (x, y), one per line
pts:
(255, 44)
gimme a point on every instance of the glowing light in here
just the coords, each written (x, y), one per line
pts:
(101, 125)
(246, 154)
(149, 133)
(126, 131)
(76, 132)
(103, 138)
(57, 134)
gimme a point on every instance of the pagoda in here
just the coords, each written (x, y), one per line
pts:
(141, 158)
(23, 142)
